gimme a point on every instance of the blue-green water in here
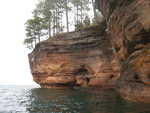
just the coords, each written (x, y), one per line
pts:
(27, 99)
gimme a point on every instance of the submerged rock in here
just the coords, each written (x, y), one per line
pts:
(80, 58)
(129, 27)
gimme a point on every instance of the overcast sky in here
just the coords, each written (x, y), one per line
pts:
(14, 67)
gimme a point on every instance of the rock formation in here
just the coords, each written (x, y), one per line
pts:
(117, 51)
(80, 58)
(129, 27)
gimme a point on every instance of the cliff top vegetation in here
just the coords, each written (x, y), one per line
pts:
(53, 17)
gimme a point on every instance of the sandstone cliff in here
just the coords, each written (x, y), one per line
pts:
(129, 28)
(80, 58)
(117, 51)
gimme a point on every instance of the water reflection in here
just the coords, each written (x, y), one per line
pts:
(80, 101)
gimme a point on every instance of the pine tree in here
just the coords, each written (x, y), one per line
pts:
(51, 17)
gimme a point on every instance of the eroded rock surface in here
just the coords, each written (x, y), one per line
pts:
(129, 27)
(80, 58)
(92, 57)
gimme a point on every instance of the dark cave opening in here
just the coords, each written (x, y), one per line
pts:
(82, 71)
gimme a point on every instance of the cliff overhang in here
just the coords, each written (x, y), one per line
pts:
(115, 53)
(81, 58)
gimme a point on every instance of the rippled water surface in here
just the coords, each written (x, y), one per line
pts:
(27, 99)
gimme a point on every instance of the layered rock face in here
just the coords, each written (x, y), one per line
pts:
(92, 57)
(129, 27)
(80, 58)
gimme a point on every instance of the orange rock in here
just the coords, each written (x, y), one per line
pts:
(73, 59)
(129, 27)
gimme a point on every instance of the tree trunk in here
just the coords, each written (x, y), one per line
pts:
(35, 42)
(54, 24)
(67, 20)
(32, 45)
(49, 28)
(94, 8)
(39, 38)
(61, 22)
(77, 14)
(81, 12)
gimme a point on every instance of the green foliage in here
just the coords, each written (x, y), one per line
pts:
(34, 29)
(86, 23)
(29, 43)
(49, 15)
(78, 26)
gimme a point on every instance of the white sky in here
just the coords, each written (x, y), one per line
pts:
(14, 67)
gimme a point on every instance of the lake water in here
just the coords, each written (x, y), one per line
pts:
(29, 99)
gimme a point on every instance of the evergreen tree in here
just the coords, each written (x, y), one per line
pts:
(34, 29)
(81, 7)
(51, 17)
